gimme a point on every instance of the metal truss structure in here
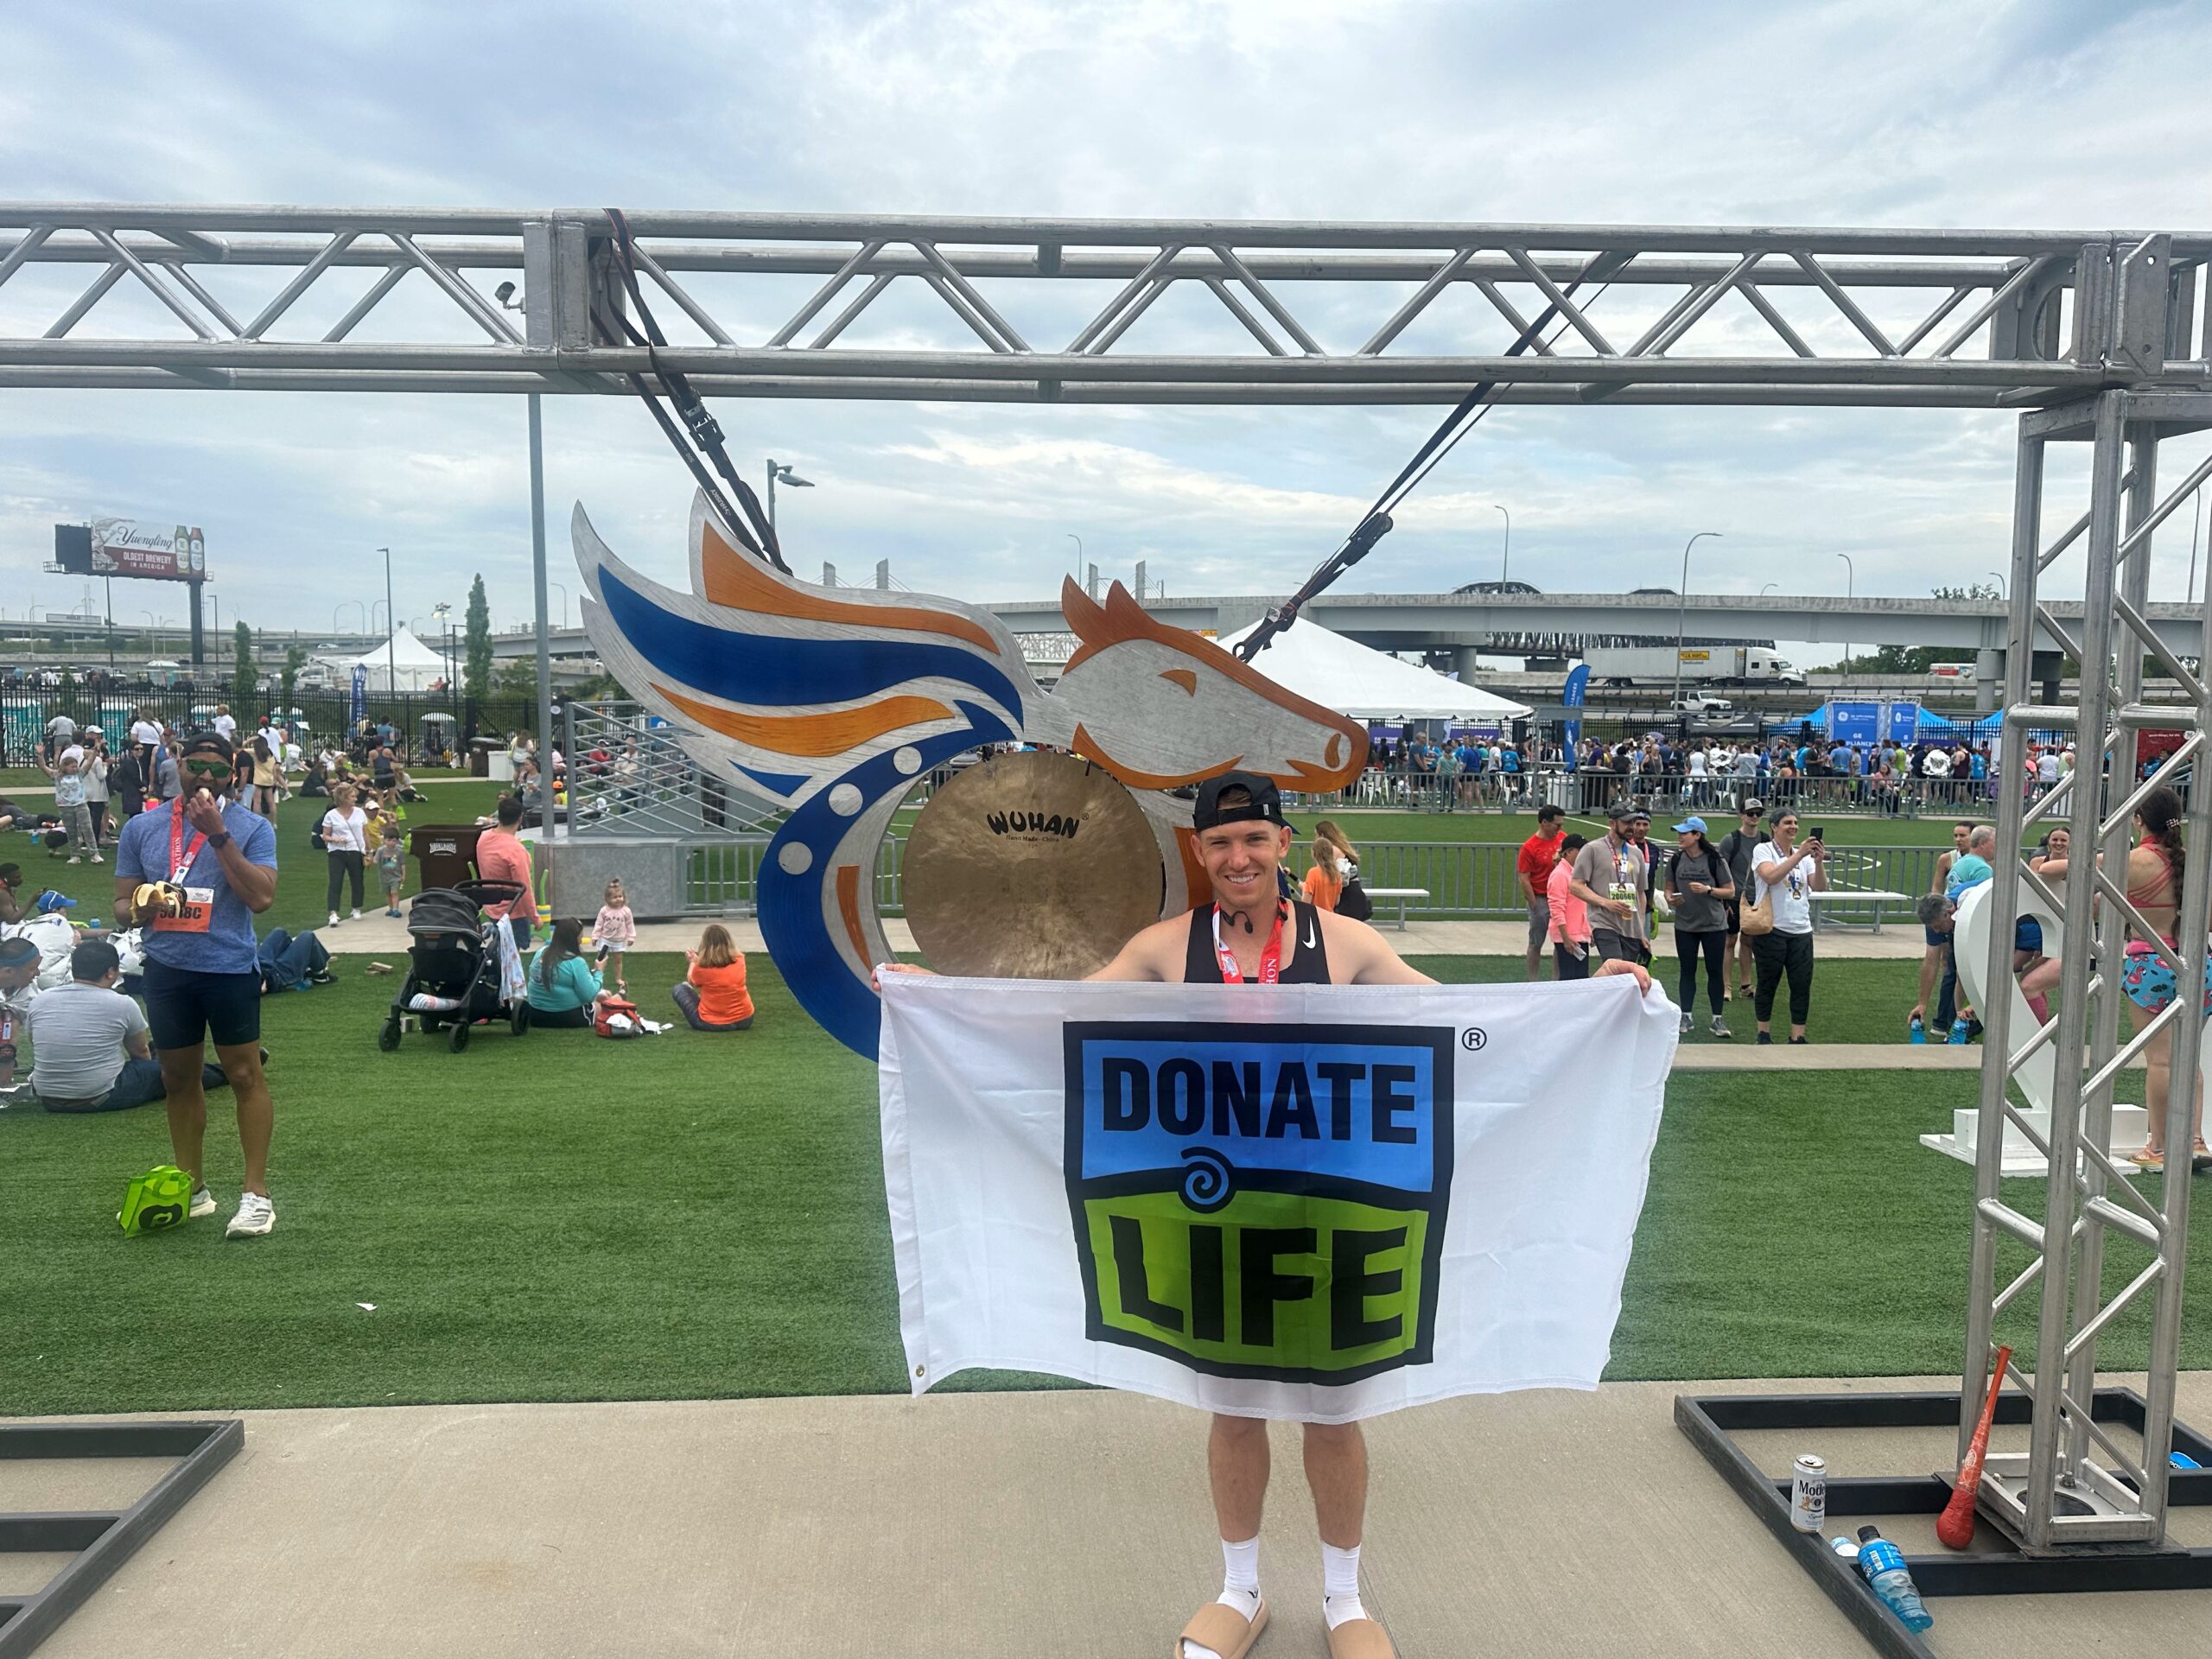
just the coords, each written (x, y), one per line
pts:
(2096, 337)
(1043, 309)
(2076, 1484)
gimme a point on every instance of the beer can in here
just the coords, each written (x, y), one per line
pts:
(1809, 1494)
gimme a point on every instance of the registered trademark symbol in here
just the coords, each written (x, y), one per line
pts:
(1474, 1037)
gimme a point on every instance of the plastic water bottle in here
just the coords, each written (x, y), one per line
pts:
(1882, 1563)
(1918, 1031)
(1958, 1037)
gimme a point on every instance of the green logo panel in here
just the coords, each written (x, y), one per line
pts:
(1292, 1286)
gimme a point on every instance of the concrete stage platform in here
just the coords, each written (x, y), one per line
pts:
(1002, 1526)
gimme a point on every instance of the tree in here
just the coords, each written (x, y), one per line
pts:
(517, 678)
(296, 658)
(1972, 590)
(244, 679)
(476, 669)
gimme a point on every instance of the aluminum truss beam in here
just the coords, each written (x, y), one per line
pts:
(1991, 317)
(2076, 1485)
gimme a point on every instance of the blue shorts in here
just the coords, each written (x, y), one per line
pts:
(184, 1009)
(2150, 983)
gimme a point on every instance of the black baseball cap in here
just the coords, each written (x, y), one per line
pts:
(208, 743)
(1264, 805)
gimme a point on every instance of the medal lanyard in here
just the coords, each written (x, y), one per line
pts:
(181, 856)
(1270, 957)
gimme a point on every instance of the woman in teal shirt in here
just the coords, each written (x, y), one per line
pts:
(562, 983)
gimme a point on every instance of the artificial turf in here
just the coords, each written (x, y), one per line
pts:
(559, 1218)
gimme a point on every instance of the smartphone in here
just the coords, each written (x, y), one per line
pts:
(1817, 833)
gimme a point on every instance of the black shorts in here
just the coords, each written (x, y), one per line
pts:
(184, 1009)
(1735, 909)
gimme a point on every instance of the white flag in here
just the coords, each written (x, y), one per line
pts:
(1311, 1202)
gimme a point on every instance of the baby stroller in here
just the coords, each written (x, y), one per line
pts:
(453, 967)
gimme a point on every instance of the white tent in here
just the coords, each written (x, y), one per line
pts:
(414, 665)
(1353, 679)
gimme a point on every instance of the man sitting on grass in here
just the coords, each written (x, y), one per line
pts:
(90, 1051)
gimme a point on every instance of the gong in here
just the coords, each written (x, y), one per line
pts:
(1030, 866)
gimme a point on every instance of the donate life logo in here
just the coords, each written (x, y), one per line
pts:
(1260, 1201)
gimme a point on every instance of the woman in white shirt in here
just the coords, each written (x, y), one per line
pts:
(1786, 876)
(346, 842)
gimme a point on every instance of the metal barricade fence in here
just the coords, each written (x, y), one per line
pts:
(1465, 881)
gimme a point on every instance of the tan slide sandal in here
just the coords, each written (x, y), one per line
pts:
(1223, 1630)
(1360, 1638)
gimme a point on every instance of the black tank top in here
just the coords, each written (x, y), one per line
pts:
(1308, 964)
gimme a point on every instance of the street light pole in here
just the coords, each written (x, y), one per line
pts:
(787, 476)
(1505, 564)
(1850, 582)
(1681, 605)
(390, 632)
(2004, 596)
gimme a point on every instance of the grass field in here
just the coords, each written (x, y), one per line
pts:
(555, 1217)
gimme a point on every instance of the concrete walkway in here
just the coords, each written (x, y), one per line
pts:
(1002, 1526)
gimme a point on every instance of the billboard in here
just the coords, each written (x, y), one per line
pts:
(126, 547)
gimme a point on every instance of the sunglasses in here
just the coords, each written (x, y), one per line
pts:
(209, 765)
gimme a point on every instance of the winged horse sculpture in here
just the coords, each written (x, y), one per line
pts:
(833, 702)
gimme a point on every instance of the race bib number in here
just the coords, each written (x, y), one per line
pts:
(198, 911)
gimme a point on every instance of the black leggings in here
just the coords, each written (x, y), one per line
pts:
(343, 864)
(1778, 953)
(1714, 946)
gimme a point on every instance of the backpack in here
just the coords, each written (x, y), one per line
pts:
(1354, 902)
(615, 1016)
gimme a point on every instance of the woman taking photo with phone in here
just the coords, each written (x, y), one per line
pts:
(1784, 876)
(1699, 887)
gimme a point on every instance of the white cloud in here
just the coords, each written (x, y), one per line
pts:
(1873, 111)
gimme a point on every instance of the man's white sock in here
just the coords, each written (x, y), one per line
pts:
(1240, 1587)
(1340, 1585)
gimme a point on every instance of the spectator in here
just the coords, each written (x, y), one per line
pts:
(392, 866)
(146, 738)
(1568, 917)
(1533, 870)
(1736, 849)
(1608, 875)
(562, 986)
(60, 733)
(94, 770)
(268, 778)
(69, 801)
(202, 976)
(1936, 945)
(616, 931)
(501, 856)
(165, 782)
(345, 845)
(90, 1049)
(226, 724)
(1334, 863)
(1699, 885)
(1782, 879)
(290, 961)
(713, 995)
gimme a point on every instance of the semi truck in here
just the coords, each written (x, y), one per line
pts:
(1703, 664)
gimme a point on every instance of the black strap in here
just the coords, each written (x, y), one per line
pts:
(1374, 523)
(705, 432)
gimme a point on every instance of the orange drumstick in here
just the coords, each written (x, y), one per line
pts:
(1956, 1526)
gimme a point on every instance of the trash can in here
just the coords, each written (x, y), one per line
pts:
(479, 758)
(445, 853)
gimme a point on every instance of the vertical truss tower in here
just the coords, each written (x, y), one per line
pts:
(2076, 1484)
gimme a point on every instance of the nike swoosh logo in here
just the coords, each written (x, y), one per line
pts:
(1309, 941)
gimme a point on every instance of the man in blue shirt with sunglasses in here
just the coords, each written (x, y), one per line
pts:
(202, 976)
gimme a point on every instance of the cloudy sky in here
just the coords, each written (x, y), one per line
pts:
(1859, 112)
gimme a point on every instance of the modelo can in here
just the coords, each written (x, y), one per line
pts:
(1809, 1494)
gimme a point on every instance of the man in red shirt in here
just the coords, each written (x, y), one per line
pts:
(501, 856)
(1534, 871)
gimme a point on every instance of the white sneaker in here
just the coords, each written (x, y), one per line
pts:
(256, 1217)
(203, 1203)
(357, 914)
(73, 859)
(96, 859)
(333, 918)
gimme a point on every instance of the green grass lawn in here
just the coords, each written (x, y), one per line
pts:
(558, 1217)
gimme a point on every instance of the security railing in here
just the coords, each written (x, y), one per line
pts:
(629, 776)
(1465, 881)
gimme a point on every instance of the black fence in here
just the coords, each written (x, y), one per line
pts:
(25, 711)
